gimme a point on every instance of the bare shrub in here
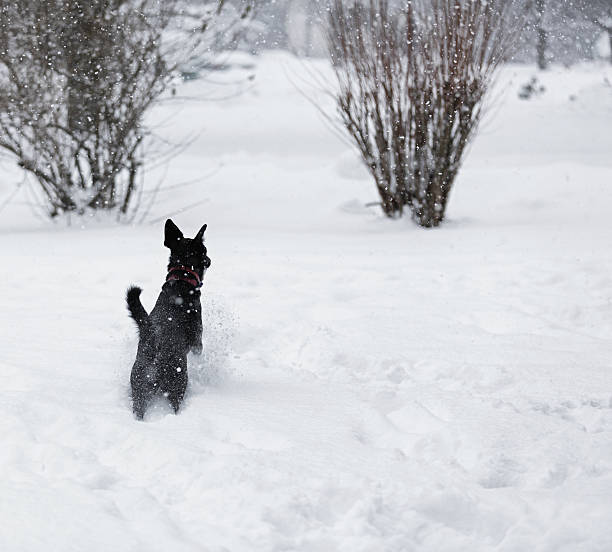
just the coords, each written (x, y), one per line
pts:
(76, 79)
(412, 80)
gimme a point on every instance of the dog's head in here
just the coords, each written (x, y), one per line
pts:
(187, 252)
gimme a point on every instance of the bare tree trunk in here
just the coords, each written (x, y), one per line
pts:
(542, 35)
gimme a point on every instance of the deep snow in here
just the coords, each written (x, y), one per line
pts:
(366, 385)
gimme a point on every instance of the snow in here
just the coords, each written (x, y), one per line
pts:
(366, 385)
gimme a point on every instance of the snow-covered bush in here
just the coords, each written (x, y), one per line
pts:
(412, 80)
(531, 89)
(76, 79)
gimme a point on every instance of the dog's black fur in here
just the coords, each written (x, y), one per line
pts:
(174, 326)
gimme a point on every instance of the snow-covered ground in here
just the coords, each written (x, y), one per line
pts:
(366, 385)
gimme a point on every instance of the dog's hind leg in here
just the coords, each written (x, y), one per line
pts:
(142, 392)
(140, 401)
(175, 401)
(178, 386)
(176, 395)
(139, 408)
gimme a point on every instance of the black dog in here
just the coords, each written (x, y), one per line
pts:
(174, 326)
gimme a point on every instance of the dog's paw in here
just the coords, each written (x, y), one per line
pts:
(197, 349)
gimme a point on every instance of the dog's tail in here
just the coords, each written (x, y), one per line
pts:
(137, 311)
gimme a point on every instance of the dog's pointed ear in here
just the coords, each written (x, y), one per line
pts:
(172, 234)
(200, 235)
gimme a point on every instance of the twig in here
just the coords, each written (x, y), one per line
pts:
(12, 195)
(178, 211)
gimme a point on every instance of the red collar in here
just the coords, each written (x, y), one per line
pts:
(195, 281)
